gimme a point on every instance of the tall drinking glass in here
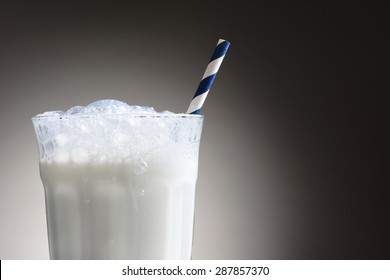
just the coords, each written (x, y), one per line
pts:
(119, 186)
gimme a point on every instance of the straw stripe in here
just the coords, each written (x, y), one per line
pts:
(213, 67)
(197, 102)
(208, 77)
(204, 85)
(220, 49)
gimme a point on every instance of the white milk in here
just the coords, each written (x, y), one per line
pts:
(119, 186)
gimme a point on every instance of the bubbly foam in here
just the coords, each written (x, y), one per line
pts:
(104, 107)
(113, 131)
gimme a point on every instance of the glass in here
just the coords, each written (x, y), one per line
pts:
(119, 186)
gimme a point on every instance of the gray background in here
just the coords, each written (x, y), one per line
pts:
(293, 161)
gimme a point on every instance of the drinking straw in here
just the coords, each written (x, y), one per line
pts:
(208, 77)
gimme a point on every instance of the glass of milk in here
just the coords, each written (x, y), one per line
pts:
(119, 181)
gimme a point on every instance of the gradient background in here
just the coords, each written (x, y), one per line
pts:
(294, 162)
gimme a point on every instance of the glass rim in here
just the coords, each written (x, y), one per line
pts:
(152, 116)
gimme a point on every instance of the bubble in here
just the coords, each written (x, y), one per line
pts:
(161, 125)
(142, 110)
(111, 240)
(108, 106)
(87, 199)
(103, 159)
(139, 166)
(124, 125)
(112, 106)
(79, 155)
(135, 108)
(41, 149)
(124, 152)
(74, 110)
(121, 139)
(94, 154)
(62, 139)
(61, 155)
(167, 113)
(43, 132)
(49, 148)
(141, 192)
(52, 114)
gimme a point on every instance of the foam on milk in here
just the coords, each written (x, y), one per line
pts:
(111, 130)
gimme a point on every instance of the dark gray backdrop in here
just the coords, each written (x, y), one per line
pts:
(293, 162)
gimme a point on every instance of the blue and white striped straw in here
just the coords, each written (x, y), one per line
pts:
(208, 77)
